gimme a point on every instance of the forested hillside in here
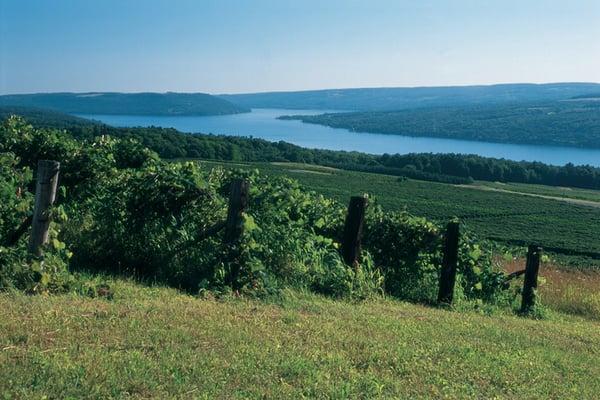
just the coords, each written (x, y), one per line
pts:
(560, 123)
(370, 99)
(46, 118)
(126, 103)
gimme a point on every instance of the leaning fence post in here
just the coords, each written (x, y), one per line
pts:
(449, 263)
(532, 267)
(353, 230)
(234, 225)
(45, 194)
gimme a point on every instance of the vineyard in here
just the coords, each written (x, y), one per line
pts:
(567, 231)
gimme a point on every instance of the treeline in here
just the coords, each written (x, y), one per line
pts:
(126, 103)
(493, 169)
(45, 118)
(448, 168)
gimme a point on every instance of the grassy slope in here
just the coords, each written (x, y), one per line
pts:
(158, 343)
(569, 230)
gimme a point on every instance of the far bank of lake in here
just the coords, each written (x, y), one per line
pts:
(263, 123)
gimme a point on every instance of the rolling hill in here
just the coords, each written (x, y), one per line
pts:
(368, 99)
(44, 118)
(126, 103)
(559, 123)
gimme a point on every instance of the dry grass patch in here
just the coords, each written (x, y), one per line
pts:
(570, 291)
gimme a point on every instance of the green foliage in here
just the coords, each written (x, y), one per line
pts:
(445, 168)
(481, 276)
(559, 123)
(46, 274)
(21, 146)
(566, 230)
(290, 240)
(130, 213)
(145, 221)
(408, 250)
(16, 199)
(18, 269)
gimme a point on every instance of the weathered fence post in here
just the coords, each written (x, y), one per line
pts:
(45, 194)
(234, 226)
(532, 267)
(353, 230)
(449, 263)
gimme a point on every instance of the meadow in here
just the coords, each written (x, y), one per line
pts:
(155, 342)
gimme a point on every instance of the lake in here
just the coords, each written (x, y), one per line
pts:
(263, 123)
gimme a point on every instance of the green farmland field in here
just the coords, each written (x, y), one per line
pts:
(569, 231)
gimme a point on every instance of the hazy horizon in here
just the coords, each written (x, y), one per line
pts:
(302, 90)
(223, 47)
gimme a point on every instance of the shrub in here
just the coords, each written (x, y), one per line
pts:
(133, 214)
(408, 250)
(18, 269)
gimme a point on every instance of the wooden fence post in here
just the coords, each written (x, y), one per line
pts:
(353, 230)
(532, 267)
(449, 263)
(45, 194)
(234, 226)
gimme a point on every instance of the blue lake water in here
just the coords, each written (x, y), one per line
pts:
(263, 123)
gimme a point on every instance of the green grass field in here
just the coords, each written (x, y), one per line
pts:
(158, 343)
(569, 231)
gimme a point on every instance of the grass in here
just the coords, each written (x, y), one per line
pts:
(159, 343)
(575, 292)
(568, 231)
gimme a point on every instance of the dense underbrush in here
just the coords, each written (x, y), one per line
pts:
(122, 210)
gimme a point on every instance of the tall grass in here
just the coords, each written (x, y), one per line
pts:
(569, 291)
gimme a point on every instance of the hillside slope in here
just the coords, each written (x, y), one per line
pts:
(158, 343)
(45, 118)
(126, 103)
(559, 123)
(366, 99)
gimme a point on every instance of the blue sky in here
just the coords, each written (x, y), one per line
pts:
(226, 46)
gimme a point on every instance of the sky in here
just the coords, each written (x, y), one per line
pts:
(227, 46)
